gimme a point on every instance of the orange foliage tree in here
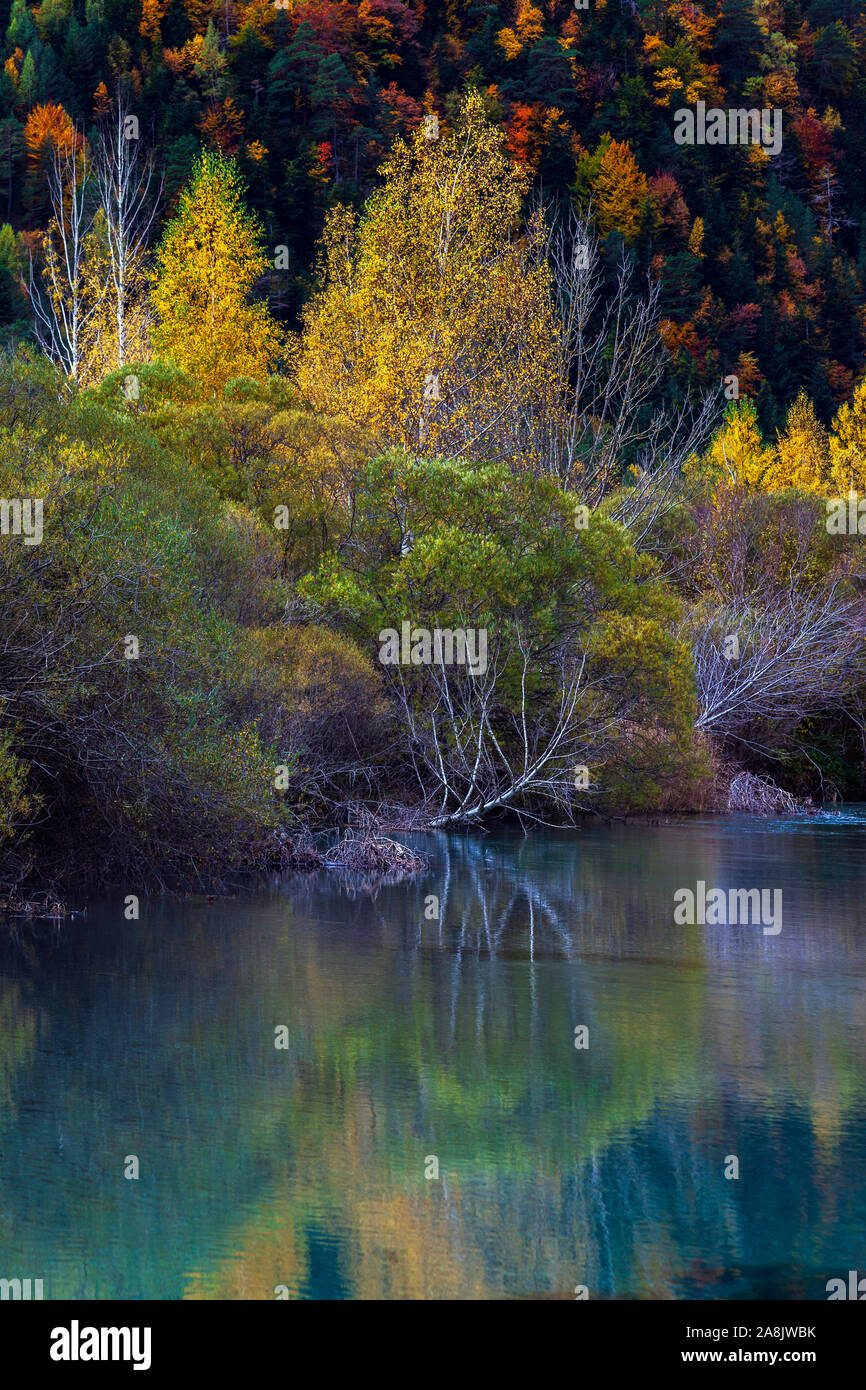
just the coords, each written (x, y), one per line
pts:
(621, 192)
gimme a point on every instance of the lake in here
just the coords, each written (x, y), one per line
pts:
(427, 1127)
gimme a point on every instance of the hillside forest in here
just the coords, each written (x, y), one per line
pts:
(334, 331)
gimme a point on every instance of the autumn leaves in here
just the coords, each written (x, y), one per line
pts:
(207, 263)
(99, 300)
(435, 327)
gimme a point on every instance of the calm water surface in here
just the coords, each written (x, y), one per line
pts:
(411, 1038)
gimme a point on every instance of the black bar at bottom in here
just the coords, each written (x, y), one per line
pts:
(164, 1339)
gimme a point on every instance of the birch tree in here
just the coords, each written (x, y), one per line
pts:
(433, 330)
(765, 663)
(607, 412)
(65, 299)
(128, 189)
(448, 324)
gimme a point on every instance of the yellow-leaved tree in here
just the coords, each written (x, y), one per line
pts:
(802, 455)
(206, 265)
(848, 444)
(737, 453)
(621, 192)
(436, 328)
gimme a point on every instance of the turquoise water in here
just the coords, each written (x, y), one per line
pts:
(304, 1168)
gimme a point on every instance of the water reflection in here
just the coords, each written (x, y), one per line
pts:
(412, 1036)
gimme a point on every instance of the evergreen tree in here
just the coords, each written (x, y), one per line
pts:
(210, 257)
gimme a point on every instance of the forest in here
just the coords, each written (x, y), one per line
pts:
(324, 320)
